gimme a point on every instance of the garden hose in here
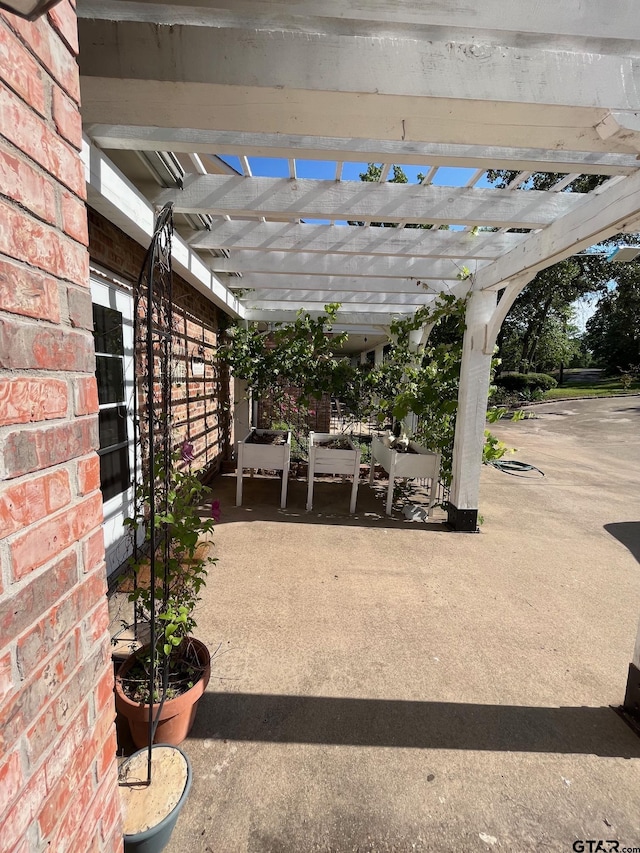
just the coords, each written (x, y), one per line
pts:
(517, 469)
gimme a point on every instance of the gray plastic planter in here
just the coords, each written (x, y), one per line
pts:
(156, 838)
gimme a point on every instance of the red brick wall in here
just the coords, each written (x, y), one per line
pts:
(200, 403)
(58, 777)
(316, 417)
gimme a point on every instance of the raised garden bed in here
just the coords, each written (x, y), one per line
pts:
(268, 449)
(333, 454)
(416, 462)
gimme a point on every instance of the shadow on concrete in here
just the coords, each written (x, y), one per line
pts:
(261, 502)
(628, 534)
(413, 725)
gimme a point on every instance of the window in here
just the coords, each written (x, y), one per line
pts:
(113, 337)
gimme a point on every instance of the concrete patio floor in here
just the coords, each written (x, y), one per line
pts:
(389, 686)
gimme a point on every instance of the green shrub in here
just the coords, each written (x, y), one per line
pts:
(512, 381)
(541, 381)
(525, 382)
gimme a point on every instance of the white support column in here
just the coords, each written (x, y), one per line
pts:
(472, 408)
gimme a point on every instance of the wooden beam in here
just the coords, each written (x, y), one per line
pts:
(614, 20)
(407, 152)
(338, 239)
(359, 312)
(353, 200)
(316, 264)
(600, 216)
(319, 81)
(269, 281)
(364, 318)
(345, 297)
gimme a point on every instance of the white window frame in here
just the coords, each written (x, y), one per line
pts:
(109, 291)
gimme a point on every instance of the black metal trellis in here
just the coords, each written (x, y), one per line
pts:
(153, 326)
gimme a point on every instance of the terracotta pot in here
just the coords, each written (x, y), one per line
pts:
(177, 716)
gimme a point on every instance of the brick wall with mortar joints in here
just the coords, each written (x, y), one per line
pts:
(58, 774)
(200, 404)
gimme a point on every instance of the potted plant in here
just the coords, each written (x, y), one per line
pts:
(164, 680)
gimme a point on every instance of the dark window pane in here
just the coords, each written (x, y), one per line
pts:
(112, 424)
(110, 378)
(107, 330)
(114, 472)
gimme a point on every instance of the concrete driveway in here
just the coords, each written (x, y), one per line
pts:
(389, 686)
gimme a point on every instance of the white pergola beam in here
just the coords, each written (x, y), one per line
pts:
(338, 239)
(317, 80)
(365, 311)
(434, 155)
(346, 297)
(600, 216)
(354, 200)
(329, 283)
(111, 194)
(364, 318)
(314, 263)
(615, 20)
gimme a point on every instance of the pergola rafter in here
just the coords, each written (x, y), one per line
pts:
(352, 200)
(362, 265)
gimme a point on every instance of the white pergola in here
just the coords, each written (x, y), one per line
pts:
(171, 92)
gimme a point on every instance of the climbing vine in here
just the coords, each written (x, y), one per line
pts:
(421, 381)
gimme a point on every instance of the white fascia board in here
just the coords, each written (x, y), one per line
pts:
(116, 198)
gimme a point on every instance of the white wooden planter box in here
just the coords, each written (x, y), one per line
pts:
(422, 464)
(270, 456)
(332, 460)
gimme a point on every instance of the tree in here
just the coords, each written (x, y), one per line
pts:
(538, 332)
(613, 332)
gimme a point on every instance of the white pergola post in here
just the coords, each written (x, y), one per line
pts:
(475, 373)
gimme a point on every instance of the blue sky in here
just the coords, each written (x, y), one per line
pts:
(272, 167)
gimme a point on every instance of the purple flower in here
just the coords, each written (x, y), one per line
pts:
(216, 512)
(187, 451)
